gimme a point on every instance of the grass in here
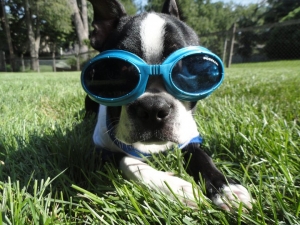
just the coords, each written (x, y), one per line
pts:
(50, 175)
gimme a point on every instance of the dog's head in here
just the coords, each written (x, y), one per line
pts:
(156, 119)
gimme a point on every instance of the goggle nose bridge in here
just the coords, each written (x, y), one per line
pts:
(156, 69)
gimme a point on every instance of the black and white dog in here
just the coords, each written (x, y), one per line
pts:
(155, 120)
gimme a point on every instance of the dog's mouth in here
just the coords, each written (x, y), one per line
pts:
(153, 138)
(153, 145)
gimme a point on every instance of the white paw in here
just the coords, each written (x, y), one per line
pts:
(231, 196)
(161, 181)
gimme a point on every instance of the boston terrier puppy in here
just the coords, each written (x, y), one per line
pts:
(144, 85)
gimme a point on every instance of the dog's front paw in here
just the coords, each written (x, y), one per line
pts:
(165, 182)
(230, 196)
(176, 187)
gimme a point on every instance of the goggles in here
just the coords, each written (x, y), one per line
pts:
(117, 77)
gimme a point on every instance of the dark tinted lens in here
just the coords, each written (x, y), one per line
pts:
(111, 78)
(196, 73)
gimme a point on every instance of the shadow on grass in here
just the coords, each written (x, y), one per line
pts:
(47, 155)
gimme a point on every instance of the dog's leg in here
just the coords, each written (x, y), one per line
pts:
(136, 170)
(223, 191)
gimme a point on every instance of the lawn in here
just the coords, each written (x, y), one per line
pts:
(49, 173)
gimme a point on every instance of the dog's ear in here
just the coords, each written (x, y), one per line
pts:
(170, 7)
(106, 17)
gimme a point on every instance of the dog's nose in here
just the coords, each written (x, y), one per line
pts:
(151, 110)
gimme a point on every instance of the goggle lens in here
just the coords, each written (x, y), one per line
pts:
(196, 73)
(111, 78)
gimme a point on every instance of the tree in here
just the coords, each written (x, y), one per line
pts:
(34, 37)
(80, 19)
(217, 18)
(47, 16)
(283, 40)
(130, 6)
(6, 26)
(17, 24)
(279, 9)
(33, 21)
(80, 15)
(247, 41)
(153, 5)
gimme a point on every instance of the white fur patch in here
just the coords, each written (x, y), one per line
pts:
(136, 170)
(101, 137)
(152, 37)
(231, 196)
(153, 147)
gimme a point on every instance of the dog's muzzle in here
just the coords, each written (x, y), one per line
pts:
(107, 141)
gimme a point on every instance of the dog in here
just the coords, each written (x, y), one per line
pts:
(156, 115)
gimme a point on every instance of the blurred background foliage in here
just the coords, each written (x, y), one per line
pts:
(61, 27)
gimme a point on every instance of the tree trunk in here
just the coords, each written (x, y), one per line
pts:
(84, 16)
(8, 36)
(81, 24)
(34, 38)
(22, 62)
(53, 57)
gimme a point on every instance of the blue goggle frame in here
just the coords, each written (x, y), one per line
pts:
(145, 70)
